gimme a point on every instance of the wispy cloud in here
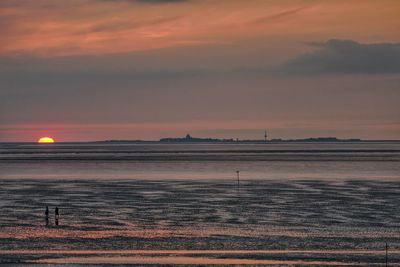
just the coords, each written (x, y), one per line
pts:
(280, 15)
(48, 28)
(93, 27)
(161, 1)
(149, 1)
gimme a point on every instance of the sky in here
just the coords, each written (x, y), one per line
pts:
(83, 70)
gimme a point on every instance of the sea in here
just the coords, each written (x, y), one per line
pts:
(266, 204)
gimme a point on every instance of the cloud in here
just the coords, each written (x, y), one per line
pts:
(347, 57)
(150, 1)
(161, 1)
(278, 16)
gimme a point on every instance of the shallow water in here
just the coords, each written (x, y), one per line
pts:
(134, 212)
(284, 161)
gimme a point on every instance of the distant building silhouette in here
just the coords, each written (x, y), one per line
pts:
(189, 139)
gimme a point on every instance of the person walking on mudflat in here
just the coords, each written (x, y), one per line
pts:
(57, 215)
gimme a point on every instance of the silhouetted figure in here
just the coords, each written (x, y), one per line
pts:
(46, 213)
(57, 215)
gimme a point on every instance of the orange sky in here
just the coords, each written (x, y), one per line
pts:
(128, 69)
(96, 27)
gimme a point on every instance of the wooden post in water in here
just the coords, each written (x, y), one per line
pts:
(238, 177)
(386, 254)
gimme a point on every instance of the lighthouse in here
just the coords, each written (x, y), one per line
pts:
(265, 135)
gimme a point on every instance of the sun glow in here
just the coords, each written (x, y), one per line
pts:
(46, 140)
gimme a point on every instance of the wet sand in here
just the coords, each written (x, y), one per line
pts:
(198, 257)
(138, 222)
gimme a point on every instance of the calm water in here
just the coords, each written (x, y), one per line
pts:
(297, 204)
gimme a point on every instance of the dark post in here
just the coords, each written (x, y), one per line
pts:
(238, 176)
(386, 254)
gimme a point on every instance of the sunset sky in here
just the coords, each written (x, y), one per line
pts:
(83, 70)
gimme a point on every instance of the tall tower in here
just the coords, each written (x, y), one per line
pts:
(265, 135)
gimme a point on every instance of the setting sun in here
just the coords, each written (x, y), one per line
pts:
(46, 140)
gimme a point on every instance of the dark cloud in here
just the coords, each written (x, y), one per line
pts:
(347, 57)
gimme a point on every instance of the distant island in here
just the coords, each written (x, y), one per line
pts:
(189, 139)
